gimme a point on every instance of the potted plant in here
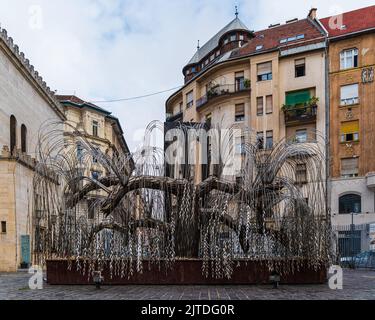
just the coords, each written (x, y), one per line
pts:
(246, 83)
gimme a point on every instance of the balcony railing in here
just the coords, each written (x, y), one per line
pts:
(174, 117)
(306, 113)
(222, 90)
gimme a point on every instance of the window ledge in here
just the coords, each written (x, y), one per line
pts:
(349, 105)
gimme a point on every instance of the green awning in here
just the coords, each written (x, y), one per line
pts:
(297, 97)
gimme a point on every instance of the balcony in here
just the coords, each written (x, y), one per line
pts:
(222, 91)
(300, 114)
(174, 117)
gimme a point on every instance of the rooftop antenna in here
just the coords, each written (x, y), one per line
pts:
(236, 11)
(198, 47)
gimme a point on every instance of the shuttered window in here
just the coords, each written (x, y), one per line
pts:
(264, 71)
(260, 109)
(297, 97)
(240, 112)
(349, 94)
(349, 167)
(269, 104)
(189, 99)
(350, 127)
(349, 131)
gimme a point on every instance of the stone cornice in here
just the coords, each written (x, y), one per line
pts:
(19, 60)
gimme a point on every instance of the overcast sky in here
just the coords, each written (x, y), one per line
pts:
(111, 49)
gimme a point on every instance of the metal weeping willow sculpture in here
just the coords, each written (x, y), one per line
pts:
(275, 213)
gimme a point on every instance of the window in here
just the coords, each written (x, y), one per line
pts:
(233, 37)
(193, 69)
(91, 211)
(226, 41)
(260, 47)
(260, 140)
(96, 155)
(23, 138)
(349, 94)
(95, 128)
(217, 53)
(283, 40)
(349, 167)
(301, 173)
(350, 203)
(79, 152)
(301, 136)
(242, 37)
(95, 175)
(240, 112)
(239, 79)
(189, 99)
(269, 104)
(269, 140)
(300, 68)
(212, 57)
(349, 59)
(260, 106)
(300, 97)
(13, 134)
(349, 131)
(300, 36)
(292, 38)
(240, 145)
(209, 119)
(265, 71)
(3, 227)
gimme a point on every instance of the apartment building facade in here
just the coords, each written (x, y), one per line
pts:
(104, 134)
(272, 81)
(352, 114)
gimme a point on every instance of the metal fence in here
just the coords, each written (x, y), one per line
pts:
(353, 246)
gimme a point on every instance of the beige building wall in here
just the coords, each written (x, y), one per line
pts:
(24, 95)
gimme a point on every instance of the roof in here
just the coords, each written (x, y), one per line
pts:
(235, 24)
(270, 38)
(353, 21)
(72, 99)
(78, 102)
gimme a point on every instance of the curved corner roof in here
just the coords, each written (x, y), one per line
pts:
(235, 24)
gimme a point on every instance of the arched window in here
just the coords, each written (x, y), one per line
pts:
(23, 138)
(13, 133)
(350, 203)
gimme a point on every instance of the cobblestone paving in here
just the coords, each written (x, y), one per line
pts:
(359, 285)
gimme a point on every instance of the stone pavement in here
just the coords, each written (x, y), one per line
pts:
(358, 284)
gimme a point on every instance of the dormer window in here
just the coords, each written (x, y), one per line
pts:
(242, 37)
(259, 48)
(233, 37)
(217, 53)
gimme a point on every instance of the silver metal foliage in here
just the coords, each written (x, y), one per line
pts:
(134, 215)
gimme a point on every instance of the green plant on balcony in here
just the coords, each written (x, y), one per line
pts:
(212, 92)
(313, 102)
(246, 83)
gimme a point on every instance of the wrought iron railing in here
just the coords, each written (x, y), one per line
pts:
(304, 113)
(222, 90)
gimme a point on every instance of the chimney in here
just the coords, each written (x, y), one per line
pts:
(312, 13)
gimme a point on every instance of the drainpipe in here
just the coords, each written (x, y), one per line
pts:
(328, 127)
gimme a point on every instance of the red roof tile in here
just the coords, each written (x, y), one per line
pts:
(270, 38)
(354, 21)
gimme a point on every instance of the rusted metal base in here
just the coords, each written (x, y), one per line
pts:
(183, 272)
